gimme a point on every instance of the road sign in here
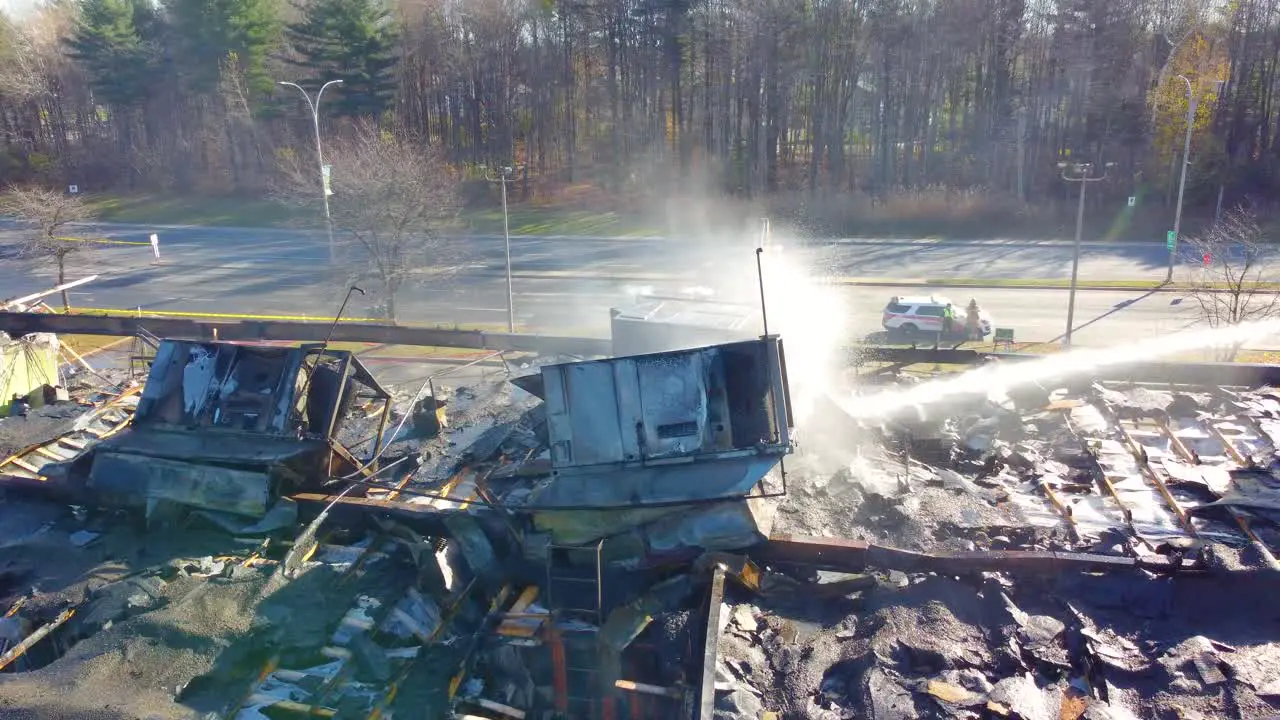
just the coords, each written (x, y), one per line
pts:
(1170, 240)
(1133, 200)
(73, 189)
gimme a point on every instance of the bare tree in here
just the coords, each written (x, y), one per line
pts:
(1229, 286)
(47, 213)
(392, 195)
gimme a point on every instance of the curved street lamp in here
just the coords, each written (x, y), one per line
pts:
(315, 121)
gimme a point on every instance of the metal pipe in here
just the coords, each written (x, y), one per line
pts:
(764, 312)
(306, 386)
(506, 238)
(45, 293)
(1084, 180)
(1075, 267)
(504, 177)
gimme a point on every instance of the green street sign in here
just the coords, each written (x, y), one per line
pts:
(1170, 240)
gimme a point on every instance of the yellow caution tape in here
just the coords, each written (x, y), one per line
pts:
(219, 316)
(105, 241)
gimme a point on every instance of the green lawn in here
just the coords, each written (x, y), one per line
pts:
(186, 210)
(234, 211)
(558, 221)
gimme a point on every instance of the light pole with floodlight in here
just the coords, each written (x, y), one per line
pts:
(1081, 175)
(1193, 103)
(504, 177)
(324, 183)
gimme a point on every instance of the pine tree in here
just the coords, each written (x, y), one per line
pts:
(350, 40)
(210, 31)
(116, 41)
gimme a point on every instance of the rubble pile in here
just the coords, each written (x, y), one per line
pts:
(1059, 476)
(634, 538)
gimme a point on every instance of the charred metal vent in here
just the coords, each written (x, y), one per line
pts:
(675, 430)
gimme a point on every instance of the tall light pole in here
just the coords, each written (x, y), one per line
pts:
(1192, 103)
(1079, 172)
(324, 184)
(504, 177)
(1182, 184)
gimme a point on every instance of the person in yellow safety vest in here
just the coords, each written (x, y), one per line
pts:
(948, 319)
(973, 320)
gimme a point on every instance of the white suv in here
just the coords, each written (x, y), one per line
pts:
(924, 314)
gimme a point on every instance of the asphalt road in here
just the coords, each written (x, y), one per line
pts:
(567, 285)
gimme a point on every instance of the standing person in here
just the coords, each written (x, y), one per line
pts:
(973, 320)
(948, 319)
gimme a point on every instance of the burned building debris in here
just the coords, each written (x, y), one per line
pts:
(231, 428)
(649, 535)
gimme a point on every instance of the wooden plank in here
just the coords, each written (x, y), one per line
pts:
(45, 451)
(1229, 446)
(1178, 446)
(414, 626)
(526, 599)
(298, 708)
(648, 689)
(26, 466)
(1145, 469)
(497, 707)
(512, 624)
(17, 651)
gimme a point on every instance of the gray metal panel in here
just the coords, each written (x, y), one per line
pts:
(656, 407)
(621, 487)
(134, 479)
(593, 414)
(673, 392)
(559, 420)
(778, 393)
(626, 384)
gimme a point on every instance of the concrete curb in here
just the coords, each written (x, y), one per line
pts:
(853, 281)
(1011, 285)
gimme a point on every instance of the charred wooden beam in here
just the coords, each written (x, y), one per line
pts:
(296, 331)
(855, 555)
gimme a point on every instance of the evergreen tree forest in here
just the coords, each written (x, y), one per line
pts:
(816, 99)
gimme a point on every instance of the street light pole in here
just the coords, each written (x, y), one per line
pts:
(315, 121)
(504, 177)
(1182, 184)
(1082, 177)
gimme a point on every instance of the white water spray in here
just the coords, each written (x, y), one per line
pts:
(995, 380)
(812, 319)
